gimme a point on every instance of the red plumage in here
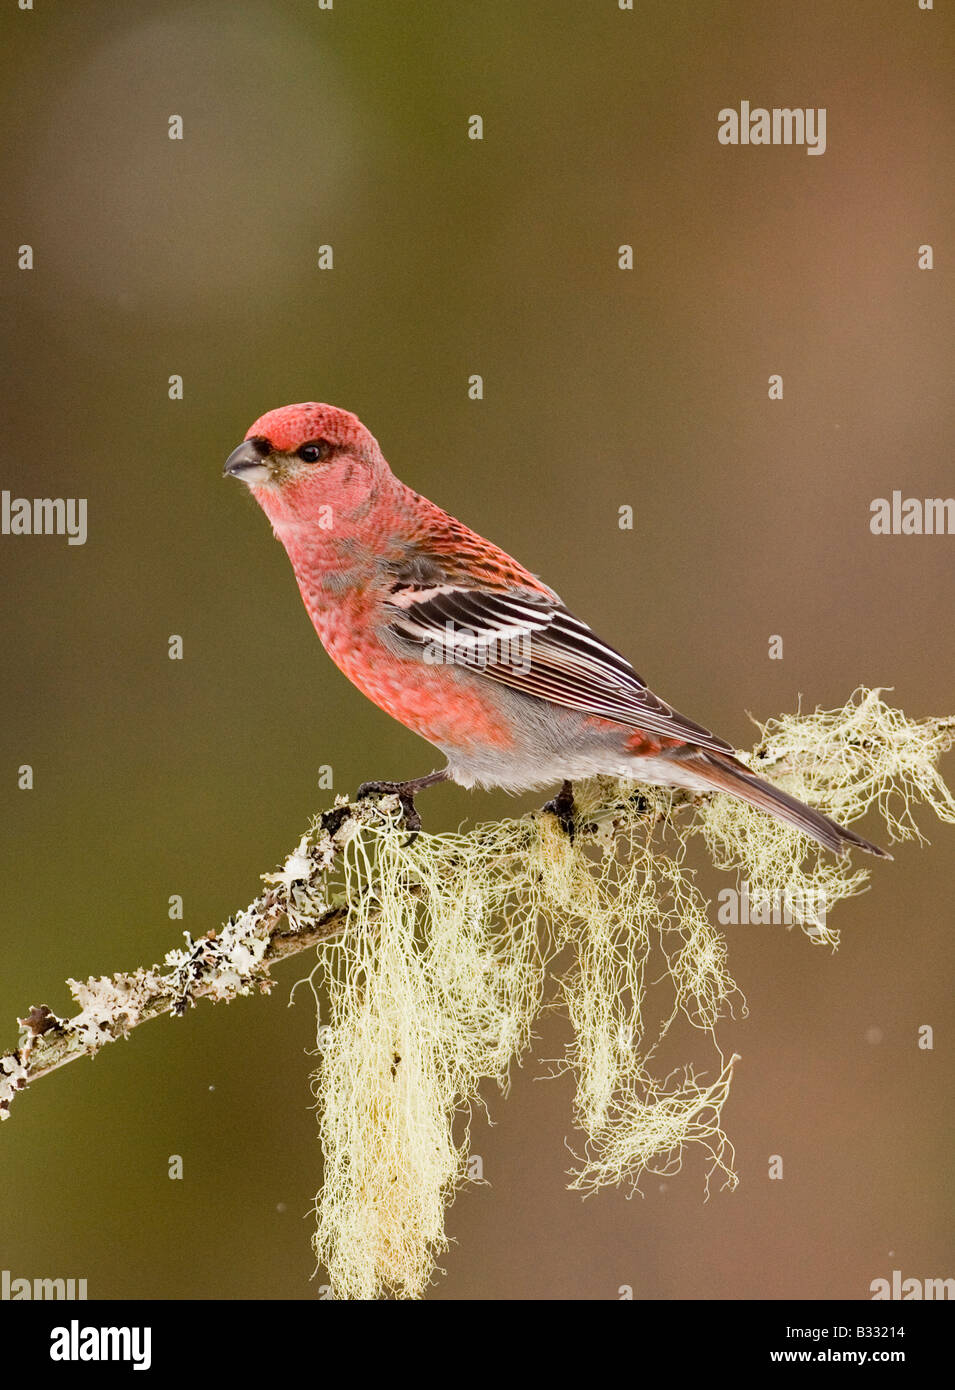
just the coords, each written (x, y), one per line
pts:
(456, 639)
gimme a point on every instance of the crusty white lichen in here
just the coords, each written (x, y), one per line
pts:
(220, 966)
(13, 1078)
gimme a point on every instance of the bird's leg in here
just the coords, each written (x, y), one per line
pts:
(562, 806)
(406, 793)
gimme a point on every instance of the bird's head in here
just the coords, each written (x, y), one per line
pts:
(300, 457)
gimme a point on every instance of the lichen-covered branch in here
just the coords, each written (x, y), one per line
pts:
(290, 917)
(440, 954)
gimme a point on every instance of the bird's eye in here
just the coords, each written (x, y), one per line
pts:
(315, 452)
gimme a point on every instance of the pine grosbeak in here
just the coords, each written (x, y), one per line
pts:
(462, 644)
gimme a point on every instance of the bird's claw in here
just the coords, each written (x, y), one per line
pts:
(562, 806)
(378, 789)
(409, 811)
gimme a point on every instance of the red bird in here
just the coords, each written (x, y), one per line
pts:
(462, 644)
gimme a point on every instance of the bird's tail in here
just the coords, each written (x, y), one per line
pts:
(726, 774)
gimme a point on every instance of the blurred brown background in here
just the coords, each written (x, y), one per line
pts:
(602, 387)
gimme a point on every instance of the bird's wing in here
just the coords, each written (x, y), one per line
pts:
(525, 638)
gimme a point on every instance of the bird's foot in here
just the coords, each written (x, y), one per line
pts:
(406, 793)
(562, 806)
(409, 812)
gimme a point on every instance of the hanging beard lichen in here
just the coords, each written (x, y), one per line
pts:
(443, 966)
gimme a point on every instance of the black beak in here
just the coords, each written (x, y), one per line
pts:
(250, 454)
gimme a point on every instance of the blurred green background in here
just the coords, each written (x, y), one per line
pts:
(602, 388)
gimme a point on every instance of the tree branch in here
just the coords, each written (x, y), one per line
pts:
(236, 960)
(219, 966)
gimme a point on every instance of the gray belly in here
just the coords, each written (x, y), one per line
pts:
(554, 744)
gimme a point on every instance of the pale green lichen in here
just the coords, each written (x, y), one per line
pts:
(434, 987)
(845, 762)
(451, 942)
